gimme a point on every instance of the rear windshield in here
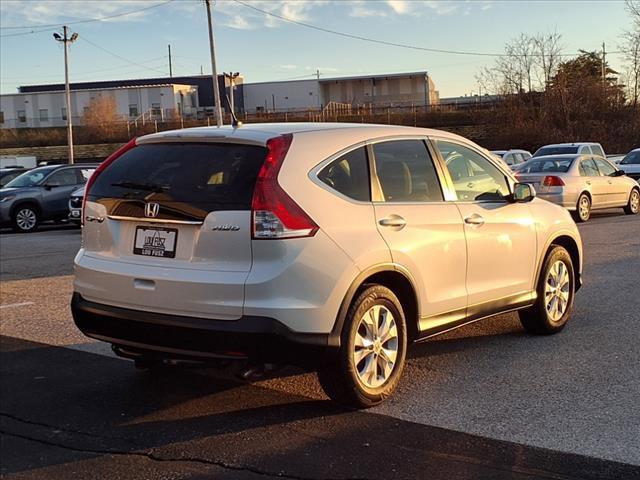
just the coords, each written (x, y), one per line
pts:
(555, 151)
(212, 176)
(561, 165)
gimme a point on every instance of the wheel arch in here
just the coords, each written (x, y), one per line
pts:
(395, 278)
(571, 246)
(26, 201)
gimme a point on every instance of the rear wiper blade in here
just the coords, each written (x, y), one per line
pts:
(151, 187)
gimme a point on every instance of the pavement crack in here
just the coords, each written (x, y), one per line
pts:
(66, 430)
(156, 458)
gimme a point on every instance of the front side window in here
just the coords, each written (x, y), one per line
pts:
(406, 172)
(63, 178)
(44, 115)
(474, 177)
(632, 158)
(585, 150)
(588, 168)
(597, 150)
(605, 167)
(349, 175)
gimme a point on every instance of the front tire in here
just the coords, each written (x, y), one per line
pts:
(25, 219)
(371, 358)
(633, 206)
(583, 209)
(556, 290)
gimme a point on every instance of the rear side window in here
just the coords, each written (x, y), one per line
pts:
(349, 175)
(63, 178)
(632, 158)
(588, 168)
(212, 176)
(406, 172)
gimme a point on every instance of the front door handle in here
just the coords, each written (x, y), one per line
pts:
(475, 220)
(393, 221)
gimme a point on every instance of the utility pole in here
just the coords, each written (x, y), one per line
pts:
(604, 71)
(67, 40)
(214, 72)
(170, 66)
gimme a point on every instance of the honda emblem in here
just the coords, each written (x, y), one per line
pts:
(151, 210)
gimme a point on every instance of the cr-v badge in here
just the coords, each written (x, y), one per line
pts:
(225, 228)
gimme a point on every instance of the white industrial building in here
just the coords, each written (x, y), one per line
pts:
(48, 109)
(391, 90)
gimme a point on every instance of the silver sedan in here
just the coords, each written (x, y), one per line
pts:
(581, 183)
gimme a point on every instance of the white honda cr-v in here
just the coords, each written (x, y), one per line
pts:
(333, 246)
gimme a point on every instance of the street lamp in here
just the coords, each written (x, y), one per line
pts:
(232, 77)
(67, 40)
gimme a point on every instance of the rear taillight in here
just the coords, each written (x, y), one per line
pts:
(108, 161)
(274, 213)
(552, 181)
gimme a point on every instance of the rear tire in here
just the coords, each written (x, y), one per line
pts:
(556, 290)
(371, 358)
(25, 219)
(583, 209)
(633, 206)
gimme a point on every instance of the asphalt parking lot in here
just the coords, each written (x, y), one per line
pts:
(485, 401)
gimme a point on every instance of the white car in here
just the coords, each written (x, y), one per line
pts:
(582, 148)
(328, 245)
(630, 164)
(512, 157)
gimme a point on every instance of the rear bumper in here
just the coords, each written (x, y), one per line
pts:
(171, 336)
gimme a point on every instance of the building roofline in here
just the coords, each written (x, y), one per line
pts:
(127, 87)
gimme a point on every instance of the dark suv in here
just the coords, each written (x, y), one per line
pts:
(40, 194)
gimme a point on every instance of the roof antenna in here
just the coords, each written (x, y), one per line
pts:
(235, 123)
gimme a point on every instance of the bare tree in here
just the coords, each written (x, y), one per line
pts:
(631, 53)
(101, 117)
(547, 50)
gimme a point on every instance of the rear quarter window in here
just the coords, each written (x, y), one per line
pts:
(349, 175)
(212, 176)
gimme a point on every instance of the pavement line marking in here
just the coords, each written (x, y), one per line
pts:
(12, 305)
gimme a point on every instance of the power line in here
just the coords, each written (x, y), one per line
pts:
(384, 42)
(84, 38)
(89, 20)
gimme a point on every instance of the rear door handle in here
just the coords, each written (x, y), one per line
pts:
(393, 221)
(474, 219)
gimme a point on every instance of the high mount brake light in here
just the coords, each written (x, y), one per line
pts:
(552, 181)
(275, 215)
(108, 161)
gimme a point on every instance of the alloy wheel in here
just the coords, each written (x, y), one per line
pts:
(376, 346)
(26, 219)
(556, 291)
(634, 201)
(584, 206)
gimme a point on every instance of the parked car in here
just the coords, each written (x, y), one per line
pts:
(75, 206)
(616, 158)
(40, 194)
(630, 164)
(584, 148)
(328, 245)
(513, 157)
(9, 173)
(581, 183)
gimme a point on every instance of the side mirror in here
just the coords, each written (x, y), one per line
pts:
(49, 186)
(523, 192)
(618, 173)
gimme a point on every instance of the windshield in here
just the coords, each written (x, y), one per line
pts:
(555, 150)
(632, 158)
(551, 165)
(30, 178)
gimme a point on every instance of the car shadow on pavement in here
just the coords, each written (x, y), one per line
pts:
(63, 410)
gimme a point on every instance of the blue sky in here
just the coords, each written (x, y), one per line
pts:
(263, 48)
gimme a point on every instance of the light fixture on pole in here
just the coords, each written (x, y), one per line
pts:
(232, 78)
(67, 40)
(214, 72)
